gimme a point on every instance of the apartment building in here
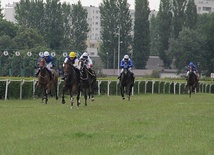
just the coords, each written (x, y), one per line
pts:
(94, 36)
(204, 6)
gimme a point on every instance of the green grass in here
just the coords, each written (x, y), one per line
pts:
(148, 124)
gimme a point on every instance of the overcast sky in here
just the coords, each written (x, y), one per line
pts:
(154, 4)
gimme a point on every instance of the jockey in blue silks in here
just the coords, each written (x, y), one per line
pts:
(191, 64)
(126, 62)
(49, 63)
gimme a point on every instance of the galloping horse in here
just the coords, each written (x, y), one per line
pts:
(192, 81)
(44, 80)
(72, 83)
(126, 81)
(88, 81)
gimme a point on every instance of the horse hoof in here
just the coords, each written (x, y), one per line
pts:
(92, 99)
(123, 98)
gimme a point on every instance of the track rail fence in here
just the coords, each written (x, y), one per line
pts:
(112, 87)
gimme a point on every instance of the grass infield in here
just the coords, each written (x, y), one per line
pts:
(148, 124)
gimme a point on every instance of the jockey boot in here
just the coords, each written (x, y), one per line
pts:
(37, 72)
(119, 76)
(133, 74)
(63, 78)
(92, 72)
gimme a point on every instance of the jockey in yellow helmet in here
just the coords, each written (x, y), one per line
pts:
(73, 59)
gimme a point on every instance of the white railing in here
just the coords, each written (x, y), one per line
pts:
(203, 87)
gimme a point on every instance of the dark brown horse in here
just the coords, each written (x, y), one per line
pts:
(88, 81)
(72, 83)
(44, 81)
(192, 81)
(126, 82)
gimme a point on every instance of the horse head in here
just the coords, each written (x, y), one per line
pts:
(190, 69)
(42, 63)
(126, 67)
(83, 68)
(67, 69)
(82, 64)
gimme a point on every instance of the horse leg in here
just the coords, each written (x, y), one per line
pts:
(122, 92)
(129, 92)
(92, 94)
(46, 96)
(63, 95)
(190, 91)
(55, 87)
(78, 97)
(36, 87)
(71, 98)
(85, 96)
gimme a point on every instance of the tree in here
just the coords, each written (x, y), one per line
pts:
(208, 31)
(79, 28)
(8, 32)
(28, 38)
(66, 15)
(191, 15)
(23, 13)
(164, 23)
(116, 27)
(124, 23)
(141, 34)
(154, 36)
(1, 15)
(53, 24)
(178, 9)
(187, 47)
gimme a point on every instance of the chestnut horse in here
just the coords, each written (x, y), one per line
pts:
(71, 83)
(44, 81)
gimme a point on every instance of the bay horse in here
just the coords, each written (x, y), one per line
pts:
(192, 81)
(44, 81)
(88, 81)
(126, 81)
(71, 83)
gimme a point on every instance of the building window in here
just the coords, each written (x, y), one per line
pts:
(207, 9)
(92, 53)
(96, 23)
(91, 45)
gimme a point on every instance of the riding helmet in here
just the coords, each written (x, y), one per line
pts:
(72, 54)
(46, 53)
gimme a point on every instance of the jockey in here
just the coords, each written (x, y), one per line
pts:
(49, 63)
(193, 67)
(122, 63)
(89, 63)
(74, 60)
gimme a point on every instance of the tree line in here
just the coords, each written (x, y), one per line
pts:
(177, 34)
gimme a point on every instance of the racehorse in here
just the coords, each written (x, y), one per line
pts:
(44, 81)
(192, 81)
(88, 80)
(72, 83)
(126, 81)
